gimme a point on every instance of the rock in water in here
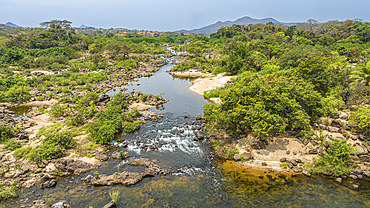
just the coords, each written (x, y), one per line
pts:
(61, 204)
(339, 180)
(48, 184)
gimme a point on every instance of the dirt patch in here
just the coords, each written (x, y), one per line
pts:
(39, 122)
(40, 103)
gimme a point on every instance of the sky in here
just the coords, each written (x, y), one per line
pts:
(172, 15)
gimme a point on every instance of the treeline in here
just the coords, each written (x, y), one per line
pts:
(287, 77)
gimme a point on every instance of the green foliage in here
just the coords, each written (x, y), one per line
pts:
(122, 154)
(144, 97)
(15, 94)
(114, 195)
(12, 145)
(21, 152)
(96, 174)
(54, 145)
(6, 192)
(130, 127)
(265, 104)
(361, 119)
(109, 121)
(6, 132)
(214, 93)
(337, 159)
(284, 164)
(229, 152)
(57, 110)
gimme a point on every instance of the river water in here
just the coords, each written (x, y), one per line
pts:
(201, 183)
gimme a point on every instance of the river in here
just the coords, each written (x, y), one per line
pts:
(202, 182)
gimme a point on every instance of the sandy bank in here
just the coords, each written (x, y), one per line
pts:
(192, 74)
(209, 83)
(140, 106)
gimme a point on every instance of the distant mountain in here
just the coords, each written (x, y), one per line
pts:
(241, 21)
(86, 27)
(10, 24)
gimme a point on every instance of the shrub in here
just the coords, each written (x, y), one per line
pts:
(6, 133)
(336, 160)
(361, 119)
(122, 154)
(21, 152)
(144, 97)
(54, 145)
(265, 104)
(57, 110)
(131, 127)
(12, 145)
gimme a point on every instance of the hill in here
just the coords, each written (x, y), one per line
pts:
(10, 24)
(241, 21)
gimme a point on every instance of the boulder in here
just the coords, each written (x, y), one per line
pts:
(140, 162)
(361, 150)
(198, 117)
(333, 129)
(343, 115)
(23, 136)
(199, 135)
(101, 157)
(124, 178)
(306, 172)
(237, 157)
(339, 180)
(246, 156)
(116, 155)
(40, 204)
(338, 123)
(297, 170)
(61, 204)
(48, 184)
(354, 177)
(103, 98)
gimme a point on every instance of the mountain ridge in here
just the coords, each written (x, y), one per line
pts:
(246, 20)
(10, 24)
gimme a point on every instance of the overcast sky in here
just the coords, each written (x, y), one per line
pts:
(170, 15)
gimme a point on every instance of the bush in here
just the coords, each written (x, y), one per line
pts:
(131, 127)
(57, 110)
(265, 104)
(21, 152)
(336, 161)
(12, 145)
(54, 145)
(6, 133)
(361, 119)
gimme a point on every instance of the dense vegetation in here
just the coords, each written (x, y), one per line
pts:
(286, 79)
(287, 76)
(58, 62)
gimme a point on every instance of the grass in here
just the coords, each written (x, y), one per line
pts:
(114, 195)
(5, 192)
(284, 164)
